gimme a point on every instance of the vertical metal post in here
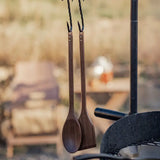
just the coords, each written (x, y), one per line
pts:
(134, 56)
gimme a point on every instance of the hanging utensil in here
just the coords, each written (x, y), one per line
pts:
(71, 133)
(87, 128)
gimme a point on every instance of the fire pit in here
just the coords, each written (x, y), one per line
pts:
(136, 135)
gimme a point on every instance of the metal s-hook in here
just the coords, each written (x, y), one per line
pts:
(69, 27)
(81, 28)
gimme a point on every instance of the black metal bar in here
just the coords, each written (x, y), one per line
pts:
(134, 56)
(108, 114)
(99, 156)
(81, 28)
(70, 17)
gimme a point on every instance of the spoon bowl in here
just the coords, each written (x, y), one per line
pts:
(71, 134)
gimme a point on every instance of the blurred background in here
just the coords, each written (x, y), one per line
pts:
(34, 69)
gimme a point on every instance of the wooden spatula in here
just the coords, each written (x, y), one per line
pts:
(87, 128)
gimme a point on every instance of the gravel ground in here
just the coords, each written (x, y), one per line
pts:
(47, 152)
(34, 153)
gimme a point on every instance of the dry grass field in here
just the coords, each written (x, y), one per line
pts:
(36, 30)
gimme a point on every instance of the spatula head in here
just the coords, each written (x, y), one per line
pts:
(71, 135)
(88, 133)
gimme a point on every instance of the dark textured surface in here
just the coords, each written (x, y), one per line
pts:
(134, 129)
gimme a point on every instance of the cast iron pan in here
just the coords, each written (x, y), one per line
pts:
(135, 129)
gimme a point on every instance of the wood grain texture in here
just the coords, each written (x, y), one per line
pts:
(88, 133)
(87, 128)
(71, 134)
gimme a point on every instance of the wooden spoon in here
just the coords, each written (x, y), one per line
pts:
(71, 133)
(87, 128)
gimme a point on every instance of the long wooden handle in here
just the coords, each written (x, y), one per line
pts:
(71, 78)
(83, 78)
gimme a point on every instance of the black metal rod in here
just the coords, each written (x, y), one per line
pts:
(134, 56)
(70, 17)
(81, 28)
(99, 156)
(108, 114)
